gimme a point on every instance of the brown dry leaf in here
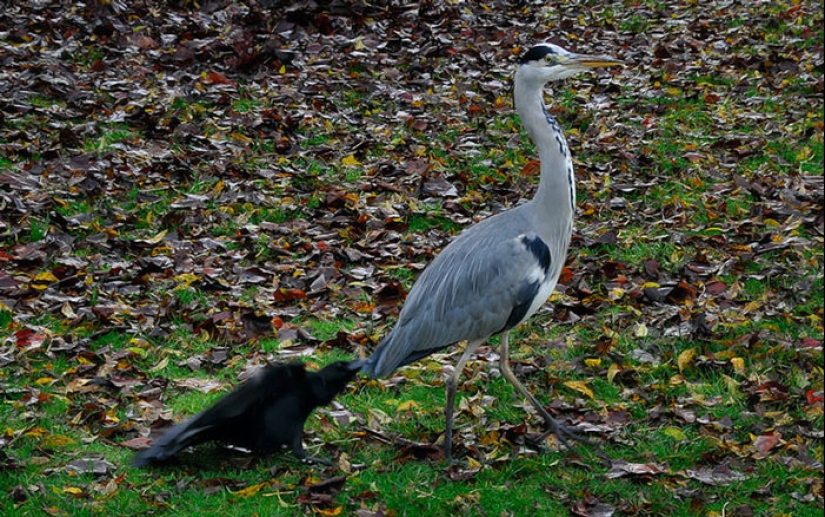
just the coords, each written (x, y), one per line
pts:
(719, 475)
(621, 468)
(202, 385)
(765, 443)
(96, 466)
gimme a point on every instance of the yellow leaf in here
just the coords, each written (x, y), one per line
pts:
(332, 512)
(685, 358)
(45, 276)
(732, 385)
(37, 432)
(738, 364)
(160, 366)
(73, 490)
(474, 464)
(406, 406)
(157, 238)
(139, 341)
(282, 70)
(593, 363)
(616, 293)
(137, 351)
(240, 137)
(350, 160)
(579, 386)
(186, 279)
(44, 380)
(612, 371)
(675, 433)
(58, 440)
(311, 480)
(250, 490)
(751, 306)
(641, 330)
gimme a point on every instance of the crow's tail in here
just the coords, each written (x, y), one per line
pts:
(171, 443)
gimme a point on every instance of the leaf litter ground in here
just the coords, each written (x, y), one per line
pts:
(188, 191)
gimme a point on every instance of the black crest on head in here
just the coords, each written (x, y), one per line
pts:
(536, 53)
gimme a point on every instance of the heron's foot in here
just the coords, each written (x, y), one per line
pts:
(447, 451)
(565, 434)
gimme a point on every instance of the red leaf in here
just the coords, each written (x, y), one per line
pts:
(288, 295)
(682, 293)
(716, 288)
(814, 396)
(566, 275)
(391, 292)
(217, 78)
(27, 338)
(811, 343)
(766, 442)
(137, 444)
(531, 168)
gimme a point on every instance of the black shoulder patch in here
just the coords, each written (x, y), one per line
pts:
(539, 250)
(524, 298)
(536, 53)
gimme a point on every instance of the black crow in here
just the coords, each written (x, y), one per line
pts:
(264, 414)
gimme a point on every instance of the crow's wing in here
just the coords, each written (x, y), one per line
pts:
(234, 418)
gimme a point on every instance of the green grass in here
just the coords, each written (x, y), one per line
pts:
(38, 229)
(110, 136)
(265, 210)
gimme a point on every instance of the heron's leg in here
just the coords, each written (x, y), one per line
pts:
(452, 382)
(553, 426)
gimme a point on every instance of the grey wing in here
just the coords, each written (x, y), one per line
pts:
(482, 283)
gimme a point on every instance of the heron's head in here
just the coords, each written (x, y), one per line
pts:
(548, 62)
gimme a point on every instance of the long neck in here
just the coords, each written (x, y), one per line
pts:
(557, 189)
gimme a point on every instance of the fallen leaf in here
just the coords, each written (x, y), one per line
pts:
(350, 160)
(685, 358)
(621, 468)
(580, 386)
(251, 490)
(721, 475)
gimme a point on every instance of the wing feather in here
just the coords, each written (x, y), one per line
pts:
(469, 292)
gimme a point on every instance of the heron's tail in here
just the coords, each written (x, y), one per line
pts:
(392, 353)
(370, 366)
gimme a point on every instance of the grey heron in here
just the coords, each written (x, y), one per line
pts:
(499, 272)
